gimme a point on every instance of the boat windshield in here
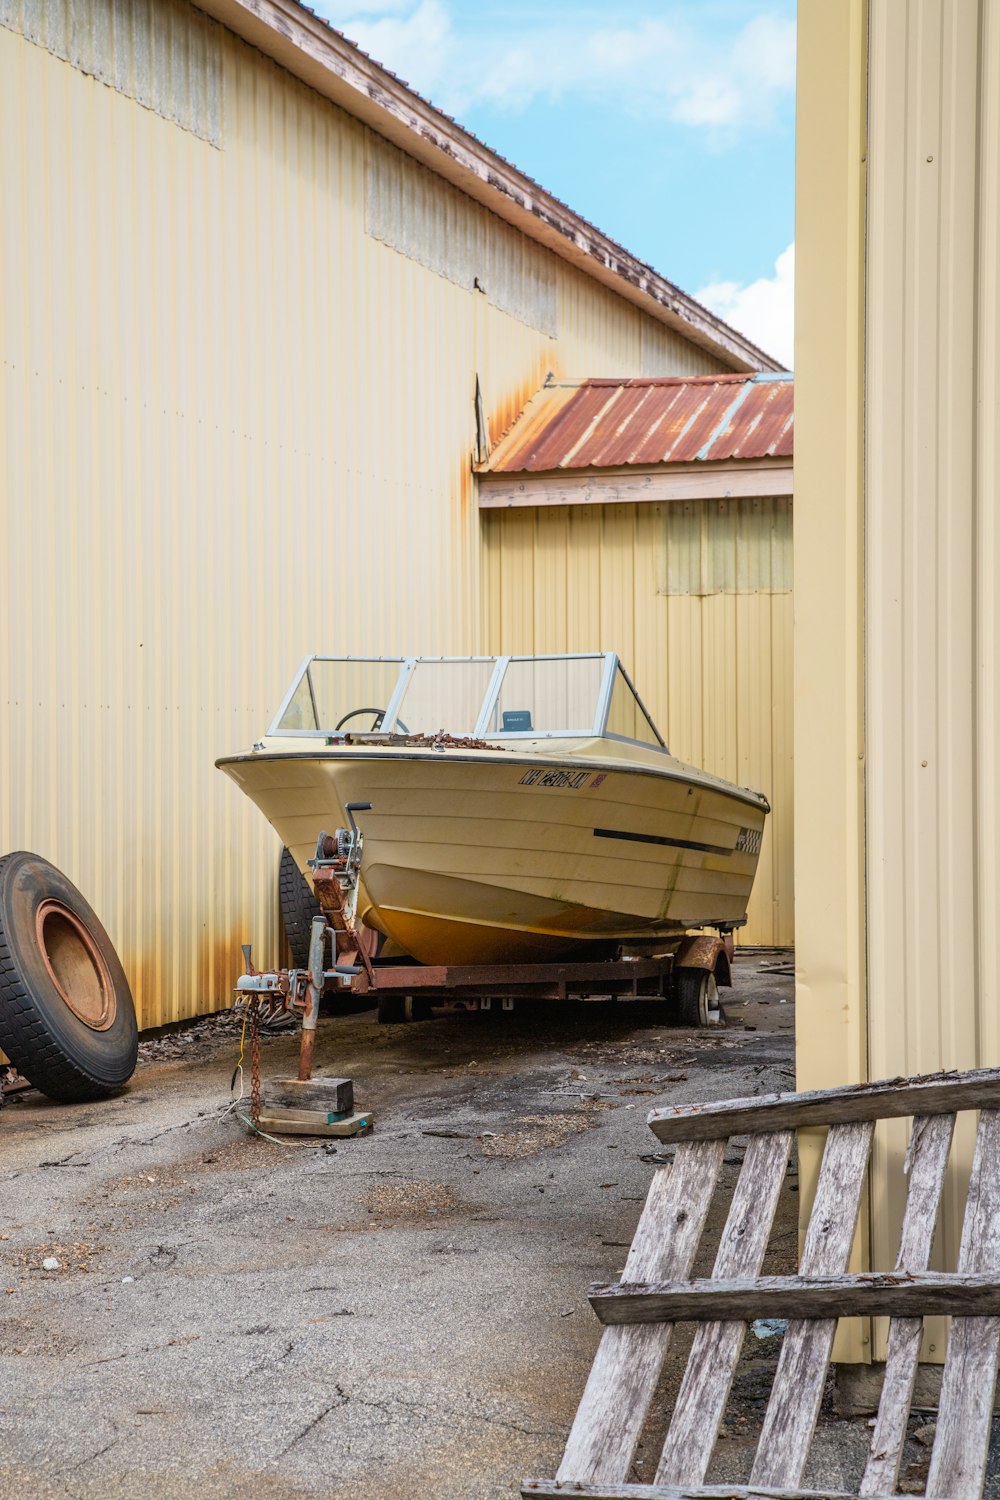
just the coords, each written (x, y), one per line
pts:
(483, 696)
(548, 695)
(627, 718)
(345, 693)
(444, 696)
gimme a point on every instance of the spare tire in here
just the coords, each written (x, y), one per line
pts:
(67, 1021)
(298, 907)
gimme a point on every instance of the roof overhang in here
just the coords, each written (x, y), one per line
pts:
(630, 485)
(311, 50)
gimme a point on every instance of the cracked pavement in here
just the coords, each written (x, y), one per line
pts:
(399, 1314)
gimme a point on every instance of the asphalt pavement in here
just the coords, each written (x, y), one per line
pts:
(402, 1314)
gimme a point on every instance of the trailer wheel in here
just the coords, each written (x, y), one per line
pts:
(698, 1001)
(298, 907)
(67, 1020)
(393, 1009)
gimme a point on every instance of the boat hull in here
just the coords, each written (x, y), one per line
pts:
(487, 857)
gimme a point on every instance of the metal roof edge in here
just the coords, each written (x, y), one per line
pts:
(765, 461)
(313, 51)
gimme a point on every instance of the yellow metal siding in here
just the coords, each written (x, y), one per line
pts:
(932, 482)
(235, 427)
(155, 51)
(897, 933)
(831, 154)
(707, 640)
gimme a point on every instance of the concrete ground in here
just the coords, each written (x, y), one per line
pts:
(396, 1315)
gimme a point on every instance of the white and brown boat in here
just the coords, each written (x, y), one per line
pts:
(519, 808)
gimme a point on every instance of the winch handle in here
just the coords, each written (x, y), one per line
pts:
(350, 809)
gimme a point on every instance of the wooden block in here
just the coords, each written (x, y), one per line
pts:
(335, 1095)
(305, 1116)
(359, 1123)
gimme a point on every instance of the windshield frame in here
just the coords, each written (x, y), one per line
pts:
(407, 665)
(305, 671)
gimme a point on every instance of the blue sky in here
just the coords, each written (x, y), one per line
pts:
(669, 125)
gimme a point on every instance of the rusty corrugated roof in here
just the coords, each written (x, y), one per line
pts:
(607, 423)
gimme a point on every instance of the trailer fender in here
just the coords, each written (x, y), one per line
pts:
(708, 952)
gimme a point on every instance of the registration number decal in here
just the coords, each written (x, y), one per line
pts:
(563, 780)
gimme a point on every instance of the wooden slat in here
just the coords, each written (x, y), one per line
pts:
(926, 1160)
(958, 1458)
(627, 1365)
(935, 1094)
(551, 1489)
(868, 1294)
(715, 1350)
(805, 1352)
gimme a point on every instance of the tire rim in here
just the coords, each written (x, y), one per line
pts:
(711, 1011)
(76, 965)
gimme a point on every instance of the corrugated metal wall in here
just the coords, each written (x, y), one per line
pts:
(831, 155)
(156, 51)
(696, 598)
(933, 561)
(234, 427)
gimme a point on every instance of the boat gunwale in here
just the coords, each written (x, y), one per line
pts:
(753, 799)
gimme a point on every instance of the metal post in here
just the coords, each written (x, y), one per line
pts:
(314, 991)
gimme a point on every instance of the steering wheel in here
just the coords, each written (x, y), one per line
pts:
(378, 714)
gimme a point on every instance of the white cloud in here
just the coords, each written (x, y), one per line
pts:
(764, 309)
(653, 67)
(416, 42)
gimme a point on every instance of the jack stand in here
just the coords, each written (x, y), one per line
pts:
(307, 1105)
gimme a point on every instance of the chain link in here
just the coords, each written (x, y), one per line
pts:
(255, 1062)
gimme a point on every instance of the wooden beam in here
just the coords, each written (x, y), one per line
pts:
(715, 1349)
(793, 1405)
(965, 1409)
(667, 483)
(869, 1294)
(888, 1099)
(552, 1489)
(627, 1365)
(930, 1143)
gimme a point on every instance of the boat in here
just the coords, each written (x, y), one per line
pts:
(511, 809)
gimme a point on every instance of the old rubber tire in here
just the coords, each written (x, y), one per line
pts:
(698, 998)
(298, 907)
(67, 1021)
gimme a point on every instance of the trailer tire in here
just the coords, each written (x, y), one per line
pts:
(298, 907)
(67, 1021)
(393, 1009)
(698, 1001)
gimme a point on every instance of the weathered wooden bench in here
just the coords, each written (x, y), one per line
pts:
(639, 1313)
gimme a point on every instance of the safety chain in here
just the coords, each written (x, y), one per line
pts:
(254, 1005)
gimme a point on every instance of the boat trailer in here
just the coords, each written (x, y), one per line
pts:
(408, 992)
(688, 974)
